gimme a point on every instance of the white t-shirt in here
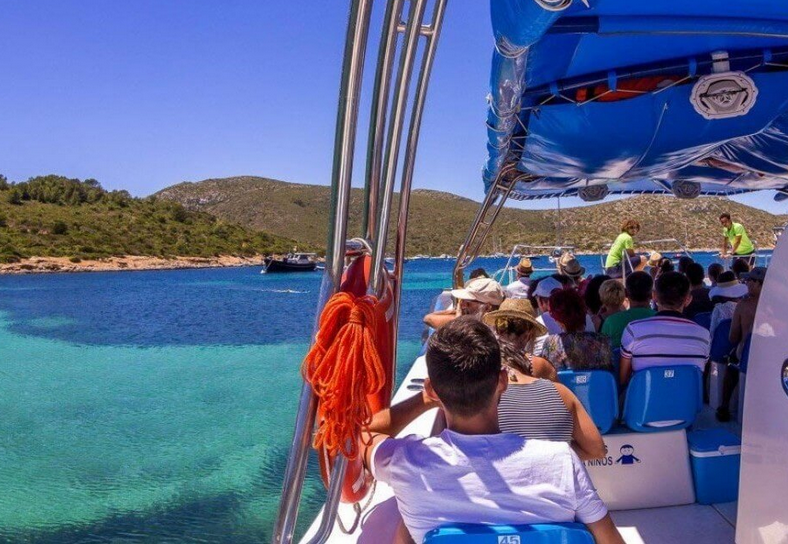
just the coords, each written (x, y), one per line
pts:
(518, 288)
(666, 339)
(492, 479)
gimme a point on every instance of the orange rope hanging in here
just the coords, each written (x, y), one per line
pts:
(343, 367)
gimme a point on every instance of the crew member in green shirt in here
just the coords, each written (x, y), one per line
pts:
(735, 235)
(639, 287)
(623, 249)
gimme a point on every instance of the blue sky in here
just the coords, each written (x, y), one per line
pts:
(147, 93)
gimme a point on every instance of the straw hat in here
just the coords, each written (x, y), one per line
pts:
(654, 258)
(484, 290)
(569, 265)
(525, 267)
(515, 308)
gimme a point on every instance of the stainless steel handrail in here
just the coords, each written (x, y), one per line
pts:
(394, 137)
(377, 120)
(480, 228)
(414, 131)
(344, 147)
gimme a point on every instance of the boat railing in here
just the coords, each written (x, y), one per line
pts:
(663, 245)
(385, 138)
(507, 274)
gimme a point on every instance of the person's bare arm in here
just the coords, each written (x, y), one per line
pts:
(439, 318)
(736, 334)
(624, 370)
(724, 250)
(605, 531)
(735, 244)
(543, 369)
(586, 439)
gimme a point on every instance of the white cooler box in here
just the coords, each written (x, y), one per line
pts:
(643, 470)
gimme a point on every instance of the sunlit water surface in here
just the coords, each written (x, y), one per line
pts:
(158, 406)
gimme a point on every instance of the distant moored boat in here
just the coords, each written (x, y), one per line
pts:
(293, 262)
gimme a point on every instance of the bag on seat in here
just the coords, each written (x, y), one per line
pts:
(598, 393)
(663, 398)
(542, 533)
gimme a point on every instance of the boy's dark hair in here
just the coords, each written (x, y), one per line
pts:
(725, 215)
(740, 267)
(464, 365)
(672, 289)
(640, 286)
(478, 273)
(695, 274)
(715, 269)
(684, 262)
(591, 294)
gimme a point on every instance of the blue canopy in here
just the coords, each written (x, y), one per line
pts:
(623, 96)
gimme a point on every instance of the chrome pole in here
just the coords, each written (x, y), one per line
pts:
(333, 497)
(410, 152)
(347, 117)
(393, 141)
(377, 121)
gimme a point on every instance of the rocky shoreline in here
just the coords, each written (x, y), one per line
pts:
(39, 265)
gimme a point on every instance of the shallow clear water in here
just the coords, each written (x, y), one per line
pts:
(158, 406)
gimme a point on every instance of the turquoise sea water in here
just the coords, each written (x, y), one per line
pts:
(158, 406)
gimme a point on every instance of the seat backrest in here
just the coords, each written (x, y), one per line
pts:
(543, 533)
(663, 398)
(598, 393)
(703, 319)
(720, 343)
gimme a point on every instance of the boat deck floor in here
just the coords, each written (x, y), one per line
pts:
(691, 524)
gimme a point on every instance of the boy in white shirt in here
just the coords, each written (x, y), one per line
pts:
(471, 473)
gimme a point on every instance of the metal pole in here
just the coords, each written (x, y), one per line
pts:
(377, 121)
(410, 154)
(398, 107)
(347, 116)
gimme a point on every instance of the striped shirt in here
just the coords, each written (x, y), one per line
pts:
(665, 339)
(535, 410)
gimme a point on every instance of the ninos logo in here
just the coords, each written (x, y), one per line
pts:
(627, 457)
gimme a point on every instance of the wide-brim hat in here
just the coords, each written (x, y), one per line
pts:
(654, 258)
(728, 289)
(569, 265)
(515, 308)
(525, 266)
(484, 290)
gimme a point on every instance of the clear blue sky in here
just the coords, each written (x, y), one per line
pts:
(147, 93)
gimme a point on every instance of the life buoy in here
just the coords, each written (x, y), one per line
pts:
(351, 371)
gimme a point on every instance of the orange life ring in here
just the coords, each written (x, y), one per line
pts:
(354, 340)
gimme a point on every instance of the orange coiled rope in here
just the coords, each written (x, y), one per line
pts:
(343, 367)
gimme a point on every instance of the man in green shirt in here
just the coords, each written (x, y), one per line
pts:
(623, 250)
(735, 235)
(639, 286)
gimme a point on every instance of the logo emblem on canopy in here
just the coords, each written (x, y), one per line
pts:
(725, 95)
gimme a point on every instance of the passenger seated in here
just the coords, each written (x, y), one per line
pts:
(591, 297)
(741, 329)
(714, 271)
(623, 251)
(569, 266)
(519, 288)
(471, 472)
(537, 408)
(701, 302)
(515, 325)
(479, 296)
(668, 338)
(725, 295)
(613, 297)
(576, 348)
(639, 287)
(740, 267)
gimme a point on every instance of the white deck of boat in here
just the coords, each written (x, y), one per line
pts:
(692, 524)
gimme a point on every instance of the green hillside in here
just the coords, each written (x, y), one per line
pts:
(439, 221)
(59, 217)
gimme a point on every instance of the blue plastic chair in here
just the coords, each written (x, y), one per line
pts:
(720, 344)
(598, 393)
(663, 398)
(703, 319)
(543, 533)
